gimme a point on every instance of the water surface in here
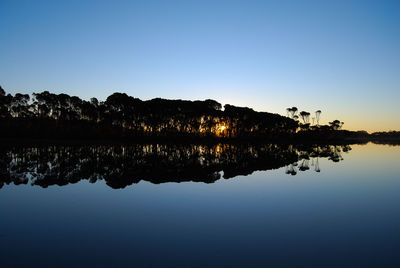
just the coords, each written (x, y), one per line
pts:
(200, 205)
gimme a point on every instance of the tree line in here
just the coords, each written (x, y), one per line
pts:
(120, 115)
(49, 115)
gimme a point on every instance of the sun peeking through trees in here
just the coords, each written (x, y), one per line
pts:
(121, 116)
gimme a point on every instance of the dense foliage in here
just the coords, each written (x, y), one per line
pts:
(47, 115)
(60, 115)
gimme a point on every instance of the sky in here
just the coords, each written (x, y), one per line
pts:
(340, 57)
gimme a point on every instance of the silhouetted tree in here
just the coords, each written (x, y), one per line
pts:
(336, 124)
(317, 116)
(19, 105)
(292, 112)
(94, 102)
(5, 104)
(305, 116)
(213, 105)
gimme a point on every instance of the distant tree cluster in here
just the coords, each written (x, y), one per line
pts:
(389, 137)
(305, 117)
(125, 116)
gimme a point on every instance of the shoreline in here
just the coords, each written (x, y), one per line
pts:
(187, 140)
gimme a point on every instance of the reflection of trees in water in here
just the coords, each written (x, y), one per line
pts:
(122, 165)
(332, 152)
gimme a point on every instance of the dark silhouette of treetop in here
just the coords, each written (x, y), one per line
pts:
(317, 116)
(336, 124)
(305, 116)
(2, 92)
(292, 112)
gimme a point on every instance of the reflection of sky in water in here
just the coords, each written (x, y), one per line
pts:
(346, 214)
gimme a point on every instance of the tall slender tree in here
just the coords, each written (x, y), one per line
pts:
(305, 116)
(292, 111)
(317, 116)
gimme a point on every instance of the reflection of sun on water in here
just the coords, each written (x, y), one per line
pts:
(218, 149)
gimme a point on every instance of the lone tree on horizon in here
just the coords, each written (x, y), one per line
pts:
(317, 116)
(305, 116)
(292, 112)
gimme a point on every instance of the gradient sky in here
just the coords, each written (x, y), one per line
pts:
(342, 57)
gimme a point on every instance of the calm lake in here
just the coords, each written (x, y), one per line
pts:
(217, 205)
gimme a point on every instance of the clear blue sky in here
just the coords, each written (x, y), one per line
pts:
(342, 57)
